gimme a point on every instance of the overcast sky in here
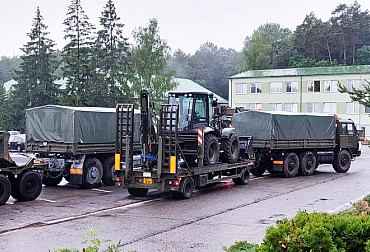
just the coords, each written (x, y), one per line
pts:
(185, 24)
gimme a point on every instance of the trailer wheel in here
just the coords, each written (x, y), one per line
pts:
(291, 165)
(211, 150)
(258, 170)
(186, 188)
(342, 162)
(5, 188)
(92, 173)
(137, 192)
(231, 149)
(109, 174)
(49, 180)
(244, 177)
(29, 186)
(307, 163)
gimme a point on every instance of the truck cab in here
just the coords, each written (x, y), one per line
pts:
(348, 138)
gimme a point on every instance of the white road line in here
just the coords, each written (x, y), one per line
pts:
(346, 205)
(98, 212)
(100, 190)
(51, 201)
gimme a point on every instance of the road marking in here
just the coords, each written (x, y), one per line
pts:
(101, 190)
(346, 205)
(98, 212)
(51, 201)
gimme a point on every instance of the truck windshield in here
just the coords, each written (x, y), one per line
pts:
(185, 103)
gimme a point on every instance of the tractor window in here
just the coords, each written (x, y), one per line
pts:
(201, 103)
(185, 109)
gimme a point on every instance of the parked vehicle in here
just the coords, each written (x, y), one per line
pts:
(77, 143)
(17, 142)
(181, 151)
(288, 143)
(13, 132)
(20, 180)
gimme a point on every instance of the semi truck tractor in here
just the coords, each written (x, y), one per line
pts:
(187, 147)
(297, 143)
(21, 180)
(77, 143)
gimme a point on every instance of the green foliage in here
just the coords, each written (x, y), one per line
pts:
(241, 246)
(363, 55)
(361, 96)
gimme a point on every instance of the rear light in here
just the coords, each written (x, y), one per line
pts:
(176, 183)
(118, 179)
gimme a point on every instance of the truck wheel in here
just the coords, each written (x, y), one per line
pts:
(137, 192)
(342, 162)
(29, 186)
(258, 170)
(92, 173)
(5, 188)
(109, 174)
(186, 188)
(291, 165)
(231, 149)
(211, 150)
(244, 177)
(307, 163)
(49, 180)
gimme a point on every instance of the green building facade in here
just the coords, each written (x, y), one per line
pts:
(307, 90)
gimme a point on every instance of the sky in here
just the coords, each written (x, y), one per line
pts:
(184, 24)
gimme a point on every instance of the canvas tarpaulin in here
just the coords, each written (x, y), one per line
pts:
(284, 126)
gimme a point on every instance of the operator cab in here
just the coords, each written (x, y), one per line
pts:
(195, 108)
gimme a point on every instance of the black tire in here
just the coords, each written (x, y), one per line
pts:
(29, 186)
(109, 174)
(211, 150)
(186, 188)
(231, 149)
(92, 173)
(52, 181)
(342, 162)
(137, 192)
(15, 187)
(291, 165)
(307, 163)
(5, 188)
(244, 177)
(258, 170)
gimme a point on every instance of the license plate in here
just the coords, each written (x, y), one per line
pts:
(147, 181)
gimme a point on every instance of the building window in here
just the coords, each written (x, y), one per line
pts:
(292, 86)
(330, 107)
(313, 107)
(275, 87)
(331, 86)
(367, 110)
(291, 107)
(240, 88)
(276, 107)
(313, 86)
(353, 108)
(256, 88)
(353, 84)
(240, 105)
(255, 106)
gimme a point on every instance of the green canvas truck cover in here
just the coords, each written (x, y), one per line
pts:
(284, 125)
(63, 124)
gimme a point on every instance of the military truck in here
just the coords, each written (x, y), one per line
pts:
(292, 143)
(187, 148)
(21, 181)
(78, 143)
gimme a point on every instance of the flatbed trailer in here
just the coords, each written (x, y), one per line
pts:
(22, 182)
(169, 171)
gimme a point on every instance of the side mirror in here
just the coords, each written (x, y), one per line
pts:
(214, 102)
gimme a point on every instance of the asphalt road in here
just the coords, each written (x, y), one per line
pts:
(212, 218)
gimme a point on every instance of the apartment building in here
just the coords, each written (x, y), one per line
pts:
(308, 90)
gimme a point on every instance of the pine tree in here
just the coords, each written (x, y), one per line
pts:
(4, 113)
(111, 52)
(35, 78)
(76, 56)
